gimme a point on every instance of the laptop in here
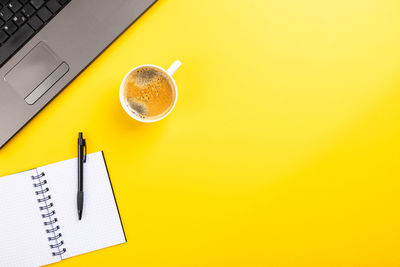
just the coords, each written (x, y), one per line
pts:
(45, 44)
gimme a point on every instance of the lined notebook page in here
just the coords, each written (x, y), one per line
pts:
(100, 226)
(23, 240)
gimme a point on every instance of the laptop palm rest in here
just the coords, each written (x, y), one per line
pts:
(36, 73)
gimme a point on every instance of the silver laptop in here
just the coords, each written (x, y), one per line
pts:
(45, 44)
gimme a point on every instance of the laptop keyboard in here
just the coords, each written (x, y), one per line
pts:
(20, 20)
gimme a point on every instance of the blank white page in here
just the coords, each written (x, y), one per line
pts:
(23, 240)
(100, 226)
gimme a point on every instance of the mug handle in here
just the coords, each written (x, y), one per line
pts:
(174, 67)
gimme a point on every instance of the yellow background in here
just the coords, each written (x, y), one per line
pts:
(283, 149)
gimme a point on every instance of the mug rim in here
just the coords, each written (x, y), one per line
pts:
(128, 111)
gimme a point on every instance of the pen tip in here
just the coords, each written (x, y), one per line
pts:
(80, 215)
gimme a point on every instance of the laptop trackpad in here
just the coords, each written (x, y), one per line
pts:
(36, 73)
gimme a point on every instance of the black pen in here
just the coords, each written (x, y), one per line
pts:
(81, 160)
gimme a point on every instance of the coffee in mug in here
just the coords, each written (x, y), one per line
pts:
(148, 93)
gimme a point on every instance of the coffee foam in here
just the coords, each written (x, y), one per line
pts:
(149, 93)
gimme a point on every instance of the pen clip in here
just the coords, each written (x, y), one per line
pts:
(84, 146)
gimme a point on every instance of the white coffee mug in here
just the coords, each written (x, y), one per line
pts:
(169, 72)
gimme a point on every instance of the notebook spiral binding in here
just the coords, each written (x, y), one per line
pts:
(44, 198)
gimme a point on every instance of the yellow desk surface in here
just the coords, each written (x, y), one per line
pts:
(283, 149)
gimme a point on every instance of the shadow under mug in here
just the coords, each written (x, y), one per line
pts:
(169, 72)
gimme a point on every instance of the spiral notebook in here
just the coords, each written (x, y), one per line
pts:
(38, 213)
